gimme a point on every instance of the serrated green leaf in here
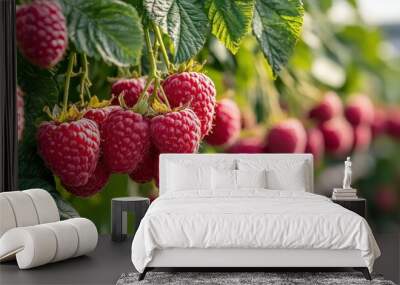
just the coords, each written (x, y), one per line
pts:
(230, 20)
(184, 21)
(64, 208)
(106, 29)
(277, 27)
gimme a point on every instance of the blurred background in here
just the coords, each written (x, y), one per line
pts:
(345, 68)
(349, 50)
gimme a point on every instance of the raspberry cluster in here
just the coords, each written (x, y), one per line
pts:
(84, 152)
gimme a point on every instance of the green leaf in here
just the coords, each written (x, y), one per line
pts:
(184, 21)
(106, 29)
(64, 208)
(277, 26)
(230, 20)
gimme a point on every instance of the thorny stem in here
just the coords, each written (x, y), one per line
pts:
(153, 65)
(162, 46)
(85, 81)
(153, 69)
(68, 76)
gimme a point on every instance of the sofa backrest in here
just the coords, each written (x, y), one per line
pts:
(26, 208)
(285, 169)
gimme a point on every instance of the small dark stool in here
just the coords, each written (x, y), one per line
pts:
(119, 208)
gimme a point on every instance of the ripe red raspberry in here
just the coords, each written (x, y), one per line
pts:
(247, 145)
(99, 115)
(330, 106)
(20, 113)
(378, 125)
(130, 88)
(147, 169)
(362, 137)
(288, 136)
(338, 136)
(393, 123)
(41, 32)
(193, 89)
(96, 182)
(126, 139)
(70, 149)
(315, 143)
(226, 123)
(176, 132)
(359, 110)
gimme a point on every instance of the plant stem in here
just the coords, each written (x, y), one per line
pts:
(153, 65)
(68, 76)
(162, 46)
(85, 82)
(153, 70)
(165, 98)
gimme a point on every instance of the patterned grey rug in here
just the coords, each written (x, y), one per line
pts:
(236, 278)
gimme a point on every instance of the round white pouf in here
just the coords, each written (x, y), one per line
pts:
(45, 205)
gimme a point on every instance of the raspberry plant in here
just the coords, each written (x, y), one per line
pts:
(149, 45)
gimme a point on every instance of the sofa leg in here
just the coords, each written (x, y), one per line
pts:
(142, 275)
(364, 271)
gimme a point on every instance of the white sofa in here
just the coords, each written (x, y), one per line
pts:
(31, 231)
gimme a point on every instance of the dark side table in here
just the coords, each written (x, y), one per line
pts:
(358, 206)
(119, 208)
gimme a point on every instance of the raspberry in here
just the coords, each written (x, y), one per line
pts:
(359, 110)
(378, 124)
(176, 132)
(20, 113)
(247, 145)
(99, 115)
(70, 149)
(193, 89)
(338, 136)
(147, 169)
(96, 182)
(288, 136)
(330, 106)
(362, 137)
(393, 123)
(126, 140)
(41, 32)
(227, 124)
(131, 89)
(315, 143)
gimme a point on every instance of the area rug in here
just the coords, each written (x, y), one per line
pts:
(243, 278)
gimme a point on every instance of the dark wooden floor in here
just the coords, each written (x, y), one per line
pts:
(110, 260)
(103, 266)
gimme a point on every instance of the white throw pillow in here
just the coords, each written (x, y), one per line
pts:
(279, 180)
(183, 177)
(224, 179)
(251, 178)
(282, 174)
